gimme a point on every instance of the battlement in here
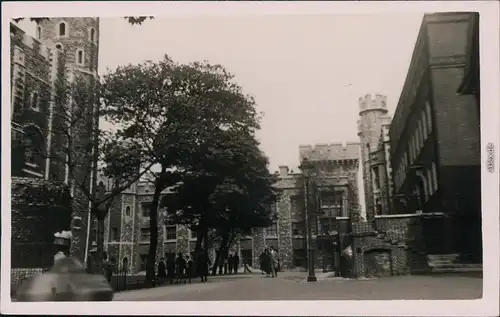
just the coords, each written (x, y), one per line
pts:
(373, 102)
(329, 152)
(30, 42)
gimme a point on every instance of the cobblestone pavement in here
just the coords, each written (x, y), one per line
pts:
(292, 286)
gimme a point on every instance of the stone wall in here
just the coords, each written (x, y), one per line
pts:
(388, 240)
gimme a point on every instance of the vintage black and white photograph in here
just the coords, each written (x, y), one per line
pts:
(252, 157)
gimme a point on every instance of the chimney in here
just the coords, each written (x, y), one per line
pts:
(283, 170)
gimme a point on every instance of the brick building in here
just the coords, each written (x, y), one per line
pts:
(63, 53)
(373, 130)
(127, 225)
(434, 136)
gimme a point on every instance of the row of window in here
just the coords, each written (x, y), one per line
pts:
(416, 142)
(430, 185)
(63, 31)
(170, 233)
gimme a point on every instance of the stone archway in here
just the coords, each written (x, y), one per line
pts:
(377, 262)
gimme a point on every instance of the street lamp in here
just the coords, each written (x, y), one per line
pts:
(307, 170)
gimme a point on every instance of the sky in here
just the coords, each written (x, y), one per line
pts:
(306, 72)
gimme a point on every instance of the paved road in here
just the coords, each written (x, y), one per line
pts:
(292, 286)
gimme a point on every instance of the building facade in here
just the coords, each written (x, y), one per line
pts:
(127, 224)
(435, 137)
(373, 118)
(63, 52)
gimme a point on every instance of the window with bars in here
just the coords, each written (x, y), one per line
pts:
(171, 232)
(296, 205)
(272, 230)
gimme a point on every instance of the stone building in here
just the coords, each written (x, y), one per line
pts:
(63, 53)
(435, 136)
(371, 126)
(127, 224)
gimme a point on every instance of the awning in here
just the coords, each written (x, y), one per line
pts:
(471, 81)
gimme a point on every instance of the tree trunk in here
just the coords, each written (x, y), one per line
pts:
(153, 238)
(219, 260)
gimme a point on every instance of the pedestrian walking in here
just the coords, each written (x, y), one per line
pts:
(236, 259)
(245, 267)
(226, 264)
(162, 269)
(203, 264)
(273, 256)
(189, 268)
(230, 263)
(171, 269)
(180, 267)
(262, 262)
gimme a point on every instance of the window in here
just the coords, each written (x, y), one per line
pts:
(429, 182)
(272, 230)
(144, 259)
(421, 135)
(171, 232)
(59, 46)
(62, 29)
(35, 102)
(425, 187)
(194, 234)
(429, 117)
(298, 228)
(434, 176)
(296, 205)
(127, 211)
(114, 234)
(38, 32)
(424, 126)
(417, 141)
(146, 209)
(33, 146)
(145, 234)
(92, 35)
(79, 57)
(299, 257)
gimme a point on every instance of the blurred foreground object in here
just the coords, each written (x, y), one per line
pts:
(66, 281)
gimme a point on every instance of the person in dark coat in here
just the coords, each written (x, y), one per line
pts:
(189, 268)
(162, 273)
(171, 269)
(226, 264)
(180, 267)
(203, 263)
(236, 264)
(230, 263)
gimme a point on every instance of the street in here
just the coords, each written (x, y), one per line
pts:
(292, 286)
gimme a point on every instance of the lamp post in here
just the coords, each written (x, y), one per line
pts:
(306, 169)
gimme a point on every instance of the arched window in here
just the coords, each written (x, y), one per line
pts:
(79, 57)
(39, 32)
(35, 102)
(127, 211)
(62, 29)
(92, 35)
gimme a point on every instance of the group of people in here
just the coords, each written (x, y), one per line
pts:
(182, 269)
(230, 264)
(269, 262)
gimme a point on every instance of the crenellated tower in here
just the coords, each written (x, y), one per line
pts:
(373, 115)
